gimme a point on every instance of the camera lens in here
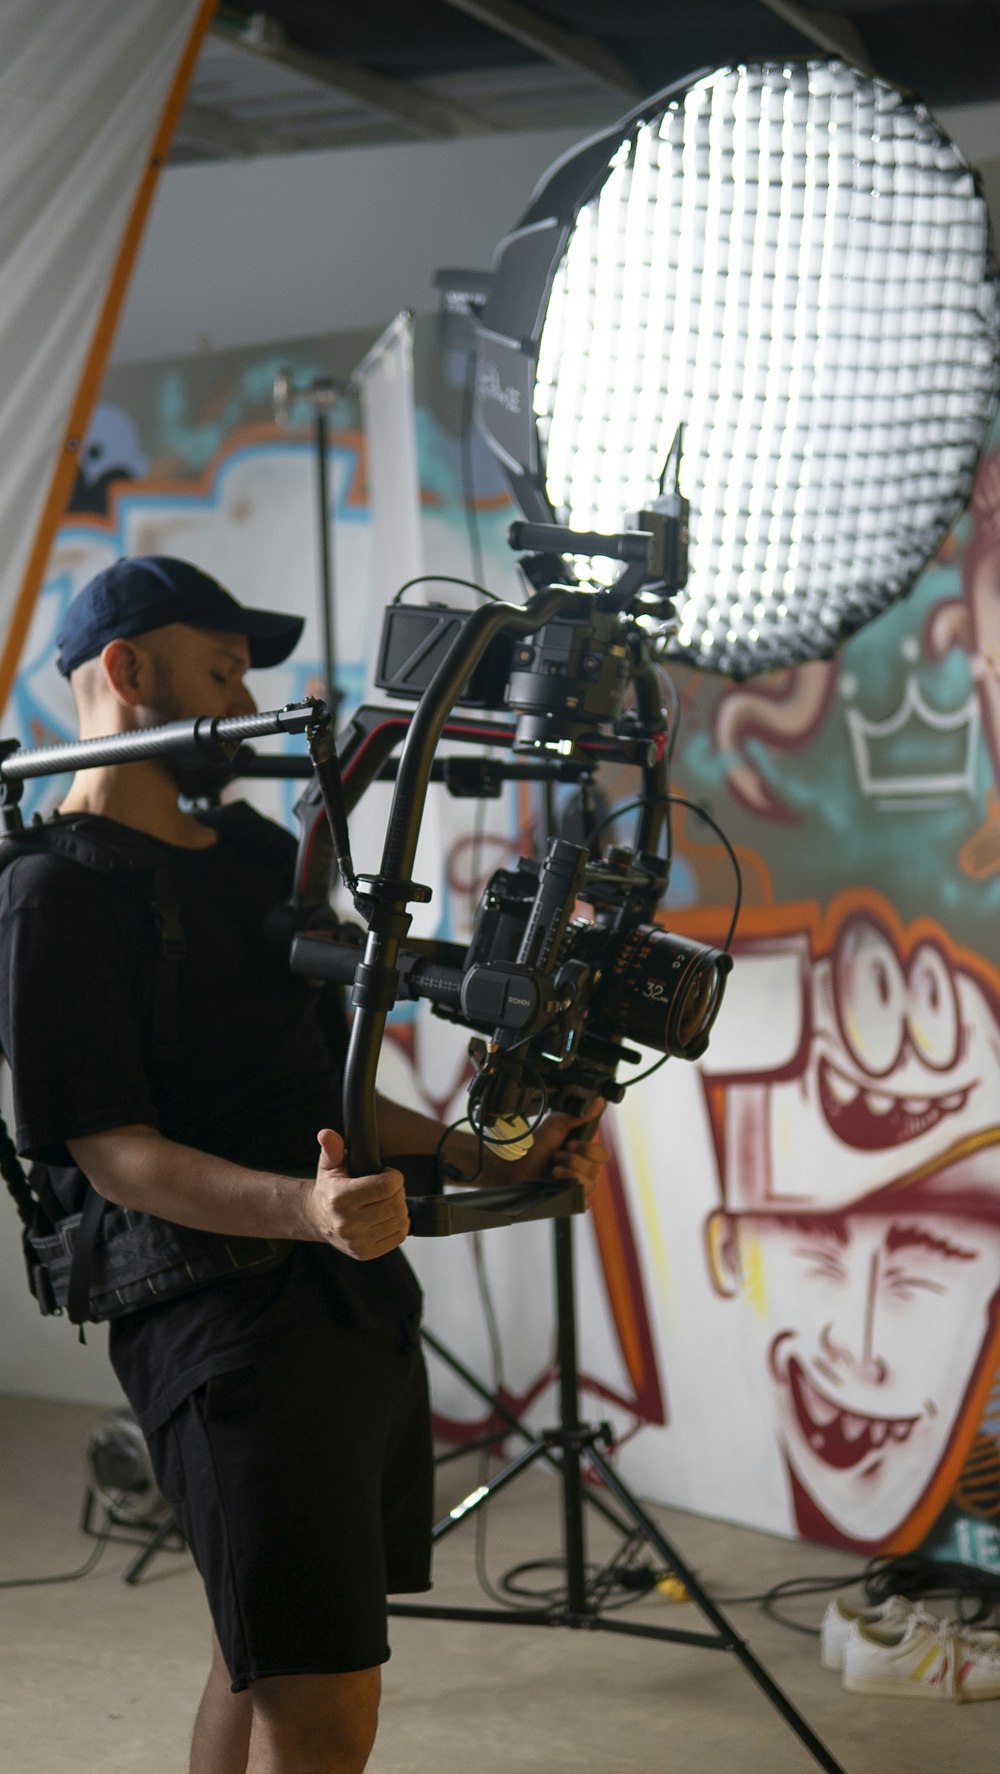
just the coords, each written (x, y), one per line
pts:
(662, 990)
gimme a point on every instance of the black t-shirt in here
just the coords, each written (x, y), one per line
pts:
(252, 1075)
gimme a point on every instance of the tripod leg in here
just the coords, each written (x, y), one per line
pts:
(726, 1633)
(484, 1492)
(569, 1418)
(510, 1418)
(162, 1532)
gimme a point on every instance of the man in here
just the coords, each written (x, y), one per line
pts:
(285, 1400)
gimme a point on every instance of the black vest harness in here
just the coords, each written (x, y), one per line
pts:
(101, 1261)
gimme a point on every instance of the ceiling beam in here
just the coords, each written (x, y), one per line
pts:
(585, 55)
(828, 30)
(226, 135)
(419, 111)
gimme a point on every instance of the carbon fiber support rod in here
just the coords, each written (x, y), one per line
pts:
(203, 738)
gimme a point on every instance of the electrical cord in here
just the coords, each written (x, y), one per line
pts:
(445, 579)
(703, 813)
(84, 1570)
(913, 1575)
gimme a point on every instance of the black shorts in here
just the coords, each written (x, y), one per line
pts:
(304, 1487)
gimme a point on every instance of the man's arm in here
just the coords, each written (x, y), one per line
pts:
(136, 1167)
(553, 1153)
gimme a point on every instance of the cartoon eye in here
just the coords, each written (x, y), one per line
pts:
(870, 994)
(933, 1012)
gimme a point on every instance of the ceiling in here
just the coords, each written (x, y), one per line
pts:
(299, 75)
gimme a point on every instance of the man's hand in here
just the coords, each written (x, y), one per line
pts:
(553, 1154)
(362, 1216)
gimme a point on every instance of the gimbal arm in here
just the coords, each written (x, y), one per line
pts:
(389, 892)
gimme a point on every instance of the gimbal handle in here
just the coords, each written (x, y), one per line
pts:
(389, 920)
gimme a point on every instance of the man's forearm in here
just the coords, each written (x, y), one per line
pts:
(406, 1132)
(136, 1167)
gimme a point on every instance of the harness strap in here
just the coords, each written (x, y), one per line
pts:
(107, 858)
(78, 1300)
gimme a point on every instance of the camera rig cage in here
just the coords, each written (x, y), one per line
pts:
(549, 996)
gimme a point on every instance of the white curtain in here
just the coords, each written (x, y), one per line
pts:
(83, 86)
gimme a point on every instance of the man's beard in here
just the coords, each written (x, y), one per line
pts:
(193, 781)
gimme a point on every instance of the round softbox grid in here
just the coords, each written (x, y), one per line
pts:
(792, 262)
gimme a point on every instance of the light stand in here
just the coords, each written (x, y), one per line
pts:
(576, 1443)
(321, 395)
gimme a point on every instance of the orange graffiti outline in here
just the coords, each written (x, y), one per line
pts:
(822, 927)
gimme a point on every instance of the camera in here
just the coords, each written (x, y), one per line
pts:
(566, 962)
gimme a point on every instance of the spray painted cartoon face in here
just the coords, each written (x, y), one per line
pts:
(863, 1225)
(871, 1327)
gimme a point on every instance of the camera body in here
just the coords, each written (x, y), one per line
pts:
(554, 993)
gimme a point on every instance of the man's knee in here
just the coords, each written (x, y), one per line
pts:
(314, 1724)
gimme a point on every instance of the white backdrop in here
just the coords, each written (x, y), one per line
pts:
(82, 90)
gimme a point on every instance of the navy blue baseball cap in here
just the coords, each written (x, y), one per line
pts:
(151, 590)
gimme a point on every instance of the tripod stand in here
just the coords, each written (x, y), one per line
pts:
(569, 1446)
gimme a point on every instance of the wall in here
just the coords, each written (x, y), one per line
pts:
(316, 243)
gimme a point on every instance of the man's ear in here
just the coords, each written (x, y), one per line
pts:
(723, 1253)
(126, 669)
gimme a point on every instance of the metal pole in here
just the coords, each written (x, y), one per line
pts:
(321, 394)
(331, 694)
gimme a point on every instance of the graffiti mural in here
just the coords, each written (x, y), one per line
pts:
(790, 1284)
(859, 1224)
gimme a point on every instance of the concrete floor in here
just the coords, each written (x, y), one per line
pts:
(97, 1677)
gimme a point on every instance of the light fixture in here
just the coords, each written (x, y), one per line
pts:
(789, 262)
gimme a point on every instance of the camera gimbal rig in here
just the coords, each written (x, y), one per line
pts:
(550, 996)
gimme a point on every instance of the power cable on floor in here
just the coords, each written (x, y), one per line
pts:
(84, 1570)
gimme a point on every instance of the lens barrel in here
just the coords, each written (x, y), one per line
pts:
(662, 990)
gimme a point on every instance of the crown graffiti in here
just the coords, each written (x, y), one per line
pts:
(918, 753)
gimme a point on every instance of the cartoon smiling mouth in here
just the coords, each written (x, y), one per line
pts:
(874, 1119)
(841, 1438)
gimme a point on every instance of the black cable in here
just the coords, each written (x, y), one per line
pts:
(913, 1574)
(445, 579)
(451, 1171)
(648, 1073)
(601, 1580)
(625, 807)
(703, 813)
(84, 1570)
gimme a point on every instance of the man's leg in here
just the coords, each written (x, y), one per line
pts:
(221, 1740)
(314, 1724)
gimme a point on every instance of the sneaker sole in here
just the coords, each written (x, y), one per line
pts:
(895, 1690)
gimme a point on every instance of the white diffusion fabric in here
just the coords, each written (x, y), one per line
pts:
(83, 85)
(385, 383)
(792, 263)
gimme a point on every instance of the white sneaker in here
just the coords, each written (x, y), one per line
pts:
(840, 1620)
(925, 1657)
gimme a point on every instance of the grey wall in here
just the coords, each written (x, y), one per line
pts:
(242, 252)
